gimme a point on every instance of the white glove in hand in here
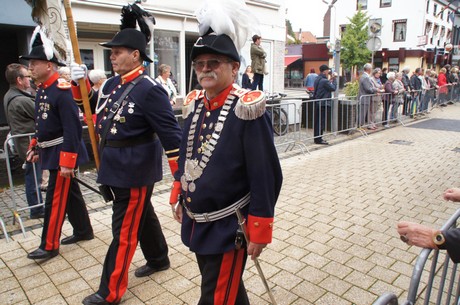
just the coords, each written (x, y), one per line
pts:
(78, 72)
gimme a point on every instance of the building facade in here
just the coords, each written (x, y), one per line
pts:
(176, 31)
(402, 33)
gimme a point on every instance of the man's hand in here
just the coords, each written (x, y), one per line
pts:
(67, 172)
(415, 234)
(177, 211)
(255, 249)
(174, 201)
(452, 194)
(78, 72)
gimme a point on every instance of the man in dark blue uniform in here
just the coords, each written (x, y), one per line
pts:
(59, 147)
(131, 160)
(227, 161)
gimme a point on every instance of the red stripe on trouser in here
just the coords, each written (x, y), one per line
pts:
(229, 278)
(58, 208)
(118, 281)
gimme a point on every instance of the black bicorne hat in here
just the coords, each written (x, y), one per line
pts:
(129, 38)
(42, 49)
(211, 43)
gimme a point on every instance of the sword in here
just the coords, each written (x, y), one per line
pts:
(241, 221)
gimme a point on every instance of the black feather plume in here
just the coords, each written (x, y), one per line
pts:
(133, 14)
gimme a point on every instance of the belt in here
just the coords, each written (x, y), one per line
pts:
(142, 139)
(216, 215)
(54, 142)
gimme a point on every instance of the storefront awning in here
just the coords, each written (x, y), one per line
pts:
(289, 59)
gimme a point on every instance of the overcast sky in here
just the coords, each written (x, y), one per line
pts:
(307, 15)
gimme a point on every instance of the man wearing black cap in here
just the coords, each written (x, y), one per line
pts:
(133, 115)
(227, 162)
(258, 63)
(323, 89)
(59, 147)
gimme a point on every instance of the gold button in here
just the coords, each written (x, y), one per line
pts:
(201, 138)
(208, 136)
(189, 199)
(208, 114)
(204, 126)
(199, 150)
(215, 104)
(256, 224)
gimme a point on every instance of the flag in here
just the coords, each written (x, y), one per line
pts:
(47, 14)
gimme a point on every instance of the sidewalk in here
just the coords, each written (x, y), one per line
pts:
(334, 242)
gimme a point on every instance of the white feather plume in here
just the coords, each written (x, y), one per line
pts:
(230, 17)
(48, 45)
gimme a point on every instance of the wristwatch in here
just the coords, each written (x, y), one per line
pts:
(439, 238)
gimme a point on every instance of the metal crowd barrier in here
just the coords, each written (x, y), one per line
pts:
(14, 208)
(442, 285)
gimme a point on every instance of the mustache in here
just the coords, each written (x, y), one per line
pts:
(211, 74)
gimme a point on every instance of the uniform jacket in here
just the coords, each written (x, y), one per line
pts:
(20, 115)
(243, 161)
(365, 88)
(57, 116)
(145, 111)
(257, 59)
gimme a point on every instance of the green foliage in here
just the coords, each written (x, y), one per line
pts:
(354, 51)
(290, 32)
(351, 88)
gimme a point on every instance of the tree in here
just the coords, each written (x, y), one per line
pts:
(290, 32)
(354, 51)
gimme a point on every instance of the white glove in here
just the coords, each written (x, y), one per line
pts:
(78, 72)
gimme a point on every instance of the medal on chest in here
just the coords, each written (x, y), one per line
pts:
(194, 167)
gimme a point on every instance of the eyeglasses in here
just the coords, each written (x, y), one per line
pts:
(211, 64)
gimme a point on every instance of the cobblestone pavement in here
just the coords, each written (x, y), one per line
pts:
(334, 240)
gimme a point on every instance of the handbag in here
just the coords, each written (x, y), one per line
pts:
(265, 68)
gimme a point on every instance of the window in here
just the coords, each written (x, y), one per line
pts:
(393, 64)
(428, 6)
(443, 31)
(166, 48)
(399, 30)
(449, 34)
(343, 28)
(435, 30)
(435, 9)
(428, 27)
(385, 3)
(362, 3)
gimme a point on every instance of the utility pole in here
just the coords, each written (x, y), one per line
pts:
(335, 107)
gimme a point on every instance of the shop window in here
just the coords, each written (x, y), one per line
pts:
(166, 49)
(399, 30)
(393, 64)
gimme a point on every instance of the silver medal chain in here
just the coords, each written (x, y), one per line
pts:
(193, 168)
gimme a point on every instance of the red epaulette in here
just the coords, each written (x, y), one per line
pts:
(189, 102)
(251, 103)
(63, 84)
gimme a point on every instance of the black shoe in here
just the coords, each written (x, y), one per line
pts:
(95, 299)
(73, 239)
(42, 254)
(322, 142)
(37, 215)
(147, 270)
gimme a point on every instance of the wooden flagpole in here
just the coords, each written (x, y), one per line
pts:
(82, 82)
